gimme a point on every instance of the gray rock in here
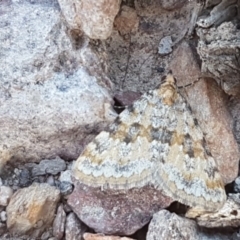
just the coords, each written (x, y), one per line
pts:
(74, 228)
(165, 45)
(169, 226)
(50, 93)
(172, 4)
(53, 166)
(59, 223)
(65, 188)
(25, 178)
(218, 49)
(65, 176)
(236, 185)
(50, 180)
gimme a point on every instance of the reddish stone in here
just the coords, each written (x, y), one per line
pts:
(116, 212)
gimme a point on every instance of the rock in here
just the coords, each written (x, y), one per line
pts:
(169, 226)
(46, 235)
(218, 49)
(91, 236)
(234, 107)
(74, 228)
(127, 20)
(209, 105)
(116, 212)
(65, 176)
(31, 210)
(5, 195)
(65, 188)
(236, 185)
(59, 223)
(166, 225)
(134, 62)
(227, 216)
(50, 180)
(3, 216)
(25, 178)
(96, 20)
(3, 228)
(126, 98)
(172, 4)
(50, 94)
(165, 45)
(53, 166)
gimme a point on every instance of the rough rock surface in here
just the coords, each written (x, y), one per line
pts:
(169, 226)
(50, 166)
(218, 49)
(31, 210)
(114, 212)
(59, 223)
(49, 102)
(127, 20)
(5, 195)
(91, 236)
(172, 4)
(134, 64)
(227, 216)
(94, 18)
(74, 227)
(209, 105)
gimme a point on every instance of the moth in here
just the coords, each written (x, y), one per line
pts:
(156, 141)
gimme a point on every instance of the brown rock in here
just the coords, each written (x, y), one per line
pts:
(74, 228)
(91, 236)
(208, 103)
(96, 20)
(116, 212)
(31, 210)
(127, 20)
(59, 223)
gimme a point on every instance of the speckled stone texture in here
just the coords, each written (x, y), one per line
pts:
(115, 212)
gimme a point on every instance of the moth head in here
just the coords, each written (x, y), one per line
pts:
(168, 89)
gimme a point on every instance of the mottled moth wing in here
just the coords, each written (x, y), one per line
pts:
(155, 141)
(119, 158)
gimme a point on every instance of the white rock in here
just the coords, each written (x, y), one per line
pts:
(3, 216)
(66, 176)
(5, 195)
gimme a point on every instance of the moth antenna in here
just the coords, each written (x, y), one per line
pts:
(189, 84)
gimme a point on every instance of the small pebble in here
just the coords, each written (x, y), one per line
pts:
(5, 195)
(25, 178)
(3, 216)
(51, 181)
(236, 185)
(66, 176)
(65, 188)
